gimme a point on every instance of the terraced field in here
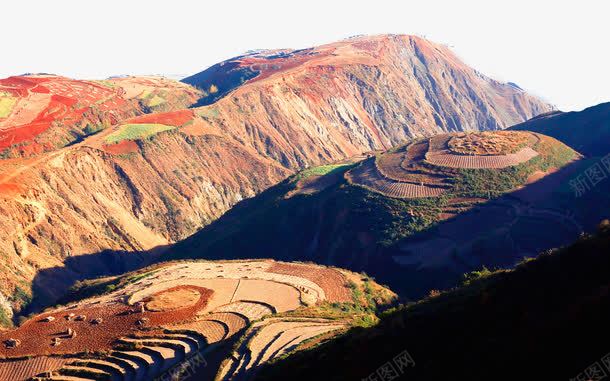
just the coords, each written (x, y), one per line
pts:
(429, 167)
(152, 321)
(23, 369)
(368, 176)
(446, 159)
(40, 113)
(267, 340)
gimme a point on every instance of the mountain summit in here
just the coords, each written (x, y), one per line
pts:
(360, 94)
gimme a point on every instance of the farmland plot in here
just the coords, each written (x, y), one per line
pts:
(367, 176)
(153, 320)
(446, 159)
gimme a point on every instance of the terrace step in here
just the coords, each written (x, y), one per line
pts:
(149, 364)
(166, 357)
(136, 357)
(205, 331)
(224, 326)
(178, 345)
(194, 336)
(116, 371)
(296, 341)
(132, 369)
(195, 343)
(60, 378)
(85, 372)
(234, 322)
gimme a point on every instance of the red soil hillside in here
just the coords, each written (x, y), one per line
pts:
(43, 112)
(353, 96)
(147, 187)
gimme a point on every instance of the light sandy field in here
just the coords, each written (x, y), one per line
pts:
(163, 316)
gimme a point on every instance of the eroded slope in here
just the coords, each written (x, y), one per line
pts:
(354, 96)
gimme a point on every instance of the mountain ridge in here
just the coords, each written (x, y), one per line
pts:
(148, 181)
(590, 138)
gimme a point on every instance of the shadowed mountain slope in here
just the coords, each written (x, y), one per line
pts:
(587, 131)
(544, 320)
(364, 216)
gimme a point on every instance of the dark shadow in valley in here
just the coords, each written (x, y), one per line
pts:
(499, 233)
(49, 285)
(339, 227)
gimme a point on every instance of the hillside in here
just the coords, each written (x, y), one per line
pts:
(40, 113)
(133, 183)
(543, 321)
(419, 216)
(587, 131)
(226, 317)
(136, 186)
(353, 96)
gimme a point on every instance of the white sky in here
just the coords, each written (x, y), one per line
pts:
(559, 50)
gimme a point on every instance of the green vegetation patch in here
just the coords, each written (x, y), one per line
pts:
(322, 170)
(156, 101)
(136, 132)
(5, 319)
(6, 105)
(490, 183)
(107, 83)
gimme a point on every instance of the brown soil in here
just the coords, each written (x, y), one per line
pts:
(121, 148)
(445, 159)
(331, 281)
(489, 143)
(173, 299)
(174, 118)
(23, 369)
(118, 320)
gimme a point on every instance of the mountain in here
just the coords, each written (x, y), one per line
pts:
(420, 215)
(136, 183)
(587, 131)
(40, 113)
(354, 96)
(188, 316)
(545, 320)
(139, 185)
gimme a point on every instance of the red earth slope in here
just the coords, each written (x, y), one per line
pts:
(48, 112)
